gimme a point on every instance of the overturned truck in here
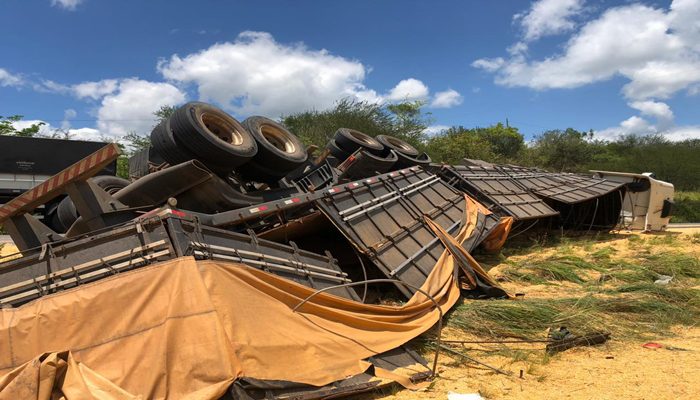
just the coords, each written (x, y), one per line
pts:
(236, 265)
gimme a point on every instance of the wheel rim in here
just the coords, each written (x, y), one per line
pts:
(279, 139)
(221, 128)
(363, 138)
(400, 144)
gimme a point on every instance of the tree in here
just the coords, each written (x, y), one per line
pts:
(558, 150)
(404, 120)
(506, 142)
(7, 127)
(410, 122)
(456, 143)
(163, 113)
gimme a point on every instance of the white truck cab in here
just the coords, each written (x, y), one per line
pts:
(648, 202)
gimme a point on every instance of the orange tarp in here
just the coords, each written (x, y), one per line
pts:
(186, 328)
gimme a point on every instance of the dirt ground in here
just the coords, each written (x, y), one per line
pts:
(619, 369)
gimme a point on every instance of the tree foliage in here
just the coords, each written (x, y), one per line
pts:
(404, 120)
(496, 143)
(7, 127)
(561, 150)
(454, 144)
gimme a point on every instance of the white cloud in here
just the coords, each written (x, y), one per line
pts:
(130, 108)
(655, 49)
(66, 4)
(661, 79)
(67, 116)
(52, 131)
(408, 89)
(8, 79)
(664, 125)
(448, 98)
(549, 17)
(658, 110)
(95, 90)
(256, 74)
(127, 108)
(680, 133)
(489, 64)
(435, 129)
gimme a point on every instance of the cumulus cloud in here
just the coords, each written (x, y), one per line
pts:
(8, 79)
(658, 110)
(663, 123)
(67, 116)
(256, 74)
(131, 106)
(489, 64)
(655, 49)
(95, 90)
(49, 130)
(448, 98)
(408, 89)
(69, 5)
(548, 17)
(125, 105)
(680, 133)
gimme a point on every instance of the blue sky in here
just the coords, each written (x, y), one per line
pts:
(99, 67)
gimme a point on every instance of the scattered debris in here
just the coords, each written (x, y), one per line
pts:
(464, 396)
(563, 340)
(663, 280)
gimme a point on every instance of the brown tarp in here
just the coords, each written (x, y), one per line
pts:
(186, 328)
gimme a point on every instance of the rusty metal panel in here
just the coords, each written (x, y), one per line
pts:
(563, 187)
(67, 264)
(304, 267)
(64, 265)
(383, 218)
(495, 189)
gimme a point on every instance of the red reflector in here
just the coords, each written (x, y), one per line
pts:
(262, 208)
(296, 200)
(177, 213)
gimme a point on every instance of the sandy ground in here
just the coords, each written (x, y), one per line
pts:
(619, 369)
(611, 371)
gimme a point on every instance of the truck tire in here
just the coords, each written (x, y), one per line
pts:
(405, 161)
(351, 140)
(212, 135)
(367, 164)
(164, 143)
(336, 151)
(66, 212)
(278, 148)
(398, 145)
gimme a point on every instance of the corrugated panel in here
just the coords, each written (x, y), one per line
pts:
(71, 263)
(563, 187)
(510, 186)
(496, 189)
(383, 218)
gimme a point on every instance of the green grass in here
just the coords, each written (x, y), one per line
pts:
(557, 268)
(687, 207)
(626, 303)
